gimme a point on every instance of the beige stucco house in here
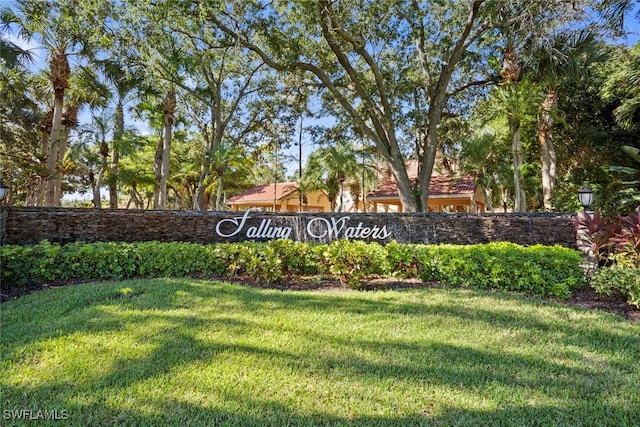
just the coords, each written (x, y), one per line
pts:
(446, 194)
(279, 197)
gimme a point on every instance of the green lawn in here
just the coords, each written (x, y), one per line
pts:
(189, 352)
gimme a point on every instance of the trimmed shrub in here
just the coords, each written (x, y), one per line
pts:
(552, 271)
(540, 270)
(353, 261)
(25, 265)
(623, 280)
(102, 260)
(297, 258)
(158, 259)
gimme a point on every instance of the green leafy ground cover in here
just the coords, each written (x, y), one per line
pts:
(551, 271)
(197, 352)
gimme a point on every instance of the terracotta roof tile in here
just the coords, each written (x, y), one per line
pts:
(440, 185)
(264, 193)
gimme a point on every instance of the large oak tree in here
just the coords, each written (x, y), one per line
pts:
(386, 63)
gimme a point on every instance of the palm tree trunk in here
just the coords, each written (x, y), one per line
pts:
(219, 194)
(60, 71)
(547, 151)
(169, 109)
(37, 199)
(118, 133)
(69, 120)
(53, 149)
(97, 198)
(62, 150)
(516, 146)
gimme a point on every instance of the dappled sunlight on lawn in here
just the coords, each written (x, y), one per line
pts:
(177, 351)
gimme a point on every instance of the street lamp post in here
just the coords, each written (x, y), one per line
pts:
(3, 215)
(585, 195)
(3, 190)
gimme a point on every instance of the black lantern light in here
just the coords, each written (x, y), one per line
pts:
(585, 194)
(3, 190)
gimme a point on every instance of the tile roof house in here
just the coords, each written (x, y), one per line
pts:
(446, 194)
(279, 197)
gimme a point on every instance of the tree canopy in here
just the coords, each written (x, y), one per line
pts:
(235, 78)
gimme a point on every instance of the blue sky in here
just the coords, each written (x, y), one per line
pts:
(632, 26)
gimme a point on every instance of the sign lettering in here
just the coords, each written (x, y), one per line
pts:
(317, 228)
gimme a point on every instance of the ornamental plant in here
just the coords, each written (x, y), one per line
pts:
(615, 243)
(626, 241)
(537, 270)
(595, 233)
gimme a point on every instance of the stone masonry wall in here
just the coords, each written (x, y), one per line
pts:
(23, 226)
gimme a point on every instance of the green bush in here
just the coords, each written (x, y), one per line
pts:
(353, 261)
(257, 261)
(297, 258)
(24, 265)
(103, 260)
(540, 270)
(158, 259)
(625, 280)
(403, 261)
(552, 271)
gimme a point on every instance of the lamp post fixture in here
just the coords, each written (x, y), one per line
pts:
(3, 214)
(3, 190)
(585, 195)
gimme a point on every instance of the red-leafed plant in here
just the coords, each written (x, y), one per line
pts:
(627, 240)
(595, 234)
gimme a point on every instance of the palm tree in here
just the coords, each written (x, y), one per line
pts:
(624, 83)
(50, 25)
(119, 82)
(13, 55)
(305, 186)
(228, 160)
(484, 158)
(566, 59)
(629, 196)
(333, 166)
(20, 113)
(164, 147)
(515, 101)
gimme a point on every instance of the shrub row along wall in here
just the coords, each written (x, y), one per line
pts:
(64, 225)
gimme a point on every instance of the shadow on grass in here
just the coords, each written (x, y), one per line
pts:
(586, 395)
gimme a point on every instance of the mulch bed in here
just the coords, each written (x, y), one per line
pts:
(585, 297)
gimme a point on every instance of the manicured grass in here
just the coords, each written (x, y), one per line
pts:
(189, 352)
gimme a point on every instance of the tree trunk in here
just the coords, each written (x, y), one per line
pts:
(69, 121)
(169, 109)
(487, 198)
(37, 199)
(547, 151)
(157, 170)
(60, 72)
(118, 133)
(516, 146)
(428, 159)
(403, 182)
(53, 150)
(62, 150)
(201, 199)
(219, 195)
(97, 197)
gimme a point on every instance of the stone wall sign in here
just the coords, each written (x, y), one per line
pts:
(22, 225)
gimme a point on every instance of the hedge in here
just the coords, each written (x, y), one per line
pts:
(538, 270)
(618, 279)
